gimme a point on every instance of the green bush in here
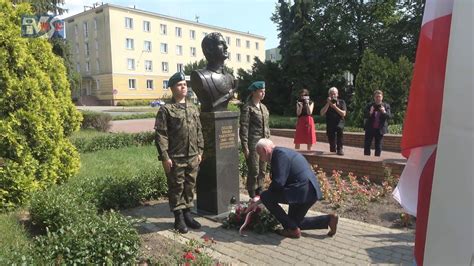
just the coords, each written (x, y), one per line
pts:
(109, 141)
(58, 207)
(141, 102)
(36, 113)
(97, 120)
(134, 116)
(122, 191)
(107, 239)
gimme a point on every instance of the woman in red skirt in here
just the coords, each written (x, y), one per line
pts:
(305, 126)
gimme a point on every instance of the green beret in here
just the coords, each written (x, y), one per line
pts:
(257, 85)
(177, 77)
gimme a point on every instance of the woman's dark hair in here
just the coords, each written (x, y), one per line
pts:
(304, 91)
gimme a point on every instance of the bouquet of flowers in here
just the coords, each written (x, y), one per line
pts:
(251, 216)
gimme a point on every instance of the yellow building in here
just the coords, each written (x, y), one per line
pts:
(125, 53)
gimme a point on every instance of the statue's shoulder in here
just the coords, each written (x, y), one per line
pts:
(200, 73)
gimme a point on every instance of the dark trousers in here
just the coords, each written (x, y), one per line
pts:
(296, 212)
(335, 138)
(373, 133)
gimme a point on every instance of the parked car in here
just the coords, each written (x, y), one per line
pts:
(157, 103)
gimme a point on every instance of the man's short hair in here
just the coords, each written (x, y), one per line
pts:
(332, 89)
(263, 143)
(208, 41)
(378, 92)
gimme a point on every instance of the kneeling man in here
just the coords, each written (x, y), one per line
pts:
(293, 183)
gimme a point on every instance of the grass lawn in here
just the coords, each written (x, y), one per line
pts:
(14, 238)
(130, 161)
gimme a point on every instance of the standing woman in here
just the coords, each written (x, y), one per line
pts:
(305, 126)
(254, 125)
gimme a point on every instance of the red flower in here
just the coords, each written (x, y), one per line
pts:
(189, 256)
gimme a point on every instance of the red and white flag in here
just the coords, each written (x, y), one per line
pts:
(445, 45)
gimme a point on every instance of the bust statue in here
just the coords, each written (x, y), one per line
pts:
(212, 85)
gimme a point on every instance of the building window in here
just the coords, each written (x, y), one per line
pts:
(163, 29)
(76, 30)
(165, 84)
(179, 50)
(86, 49)
(247, 44)
(164, 66)
(193, 51)
(130, 64)
(179, 67)
(95, 24)
(248, 58)
(237, 42)
(148, 65)
(238, 57)
(88, 66)
(132, 84)
(146, 26)
(86, 29)
(256, 45)
(149, 84)
(97, 65)
(96, 45)
(147, 46)
(78, 67)
(77, 48)
(97, 84)
(227, 39)
(204, 34)
(192, 34)
(178, 32)
(164, 48)
(129, 44)
(129, 23)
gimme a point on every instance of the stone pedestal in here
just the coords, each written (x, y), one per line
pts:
(218, 178)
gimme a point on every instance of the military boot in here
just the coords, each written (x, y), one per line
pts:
(188, 219)
(179, 224)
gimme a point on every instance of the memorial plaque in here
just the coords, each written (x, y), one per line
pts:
(218, 178)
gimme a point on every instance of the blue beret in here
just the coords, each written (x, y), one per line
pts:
(177, 77)
(257, 85)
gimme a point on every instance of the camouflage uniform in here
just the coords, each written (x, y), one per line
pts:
(179, 138)
(254, 125)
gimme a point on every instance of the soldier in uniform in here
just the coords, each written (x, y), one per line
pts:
(254, 125)
(180, 145)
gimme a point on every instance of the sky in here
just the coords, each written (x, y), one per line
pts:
(251, 16)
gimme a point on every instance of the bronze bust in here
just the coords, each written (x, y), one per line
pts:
(213, 87)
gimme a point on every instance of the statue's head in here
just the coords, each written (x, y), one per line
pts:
(214, 47)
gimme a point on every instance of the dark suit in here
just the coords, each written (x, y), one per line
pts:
(293, 183)
(375, 133)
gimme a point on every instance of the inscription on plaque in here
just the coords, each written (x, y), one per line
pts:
(226, 137)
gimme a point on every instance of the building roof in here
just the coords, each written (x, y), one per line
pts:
(165, 17)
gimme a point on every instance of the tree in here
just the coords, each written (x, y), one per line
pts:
(278, 96)
(60, 46)
(44, 6)
(36, 113)
(321, 39)
(380, 73)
